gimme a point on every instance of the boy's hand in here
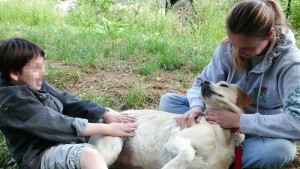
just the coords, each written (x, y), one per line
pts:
(121, 129)
(113, 116)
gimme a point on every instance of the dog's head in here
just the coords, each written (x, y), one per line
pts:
(224, 95)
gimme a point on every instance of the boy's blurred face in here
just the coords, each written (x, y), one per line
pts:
(32, 73)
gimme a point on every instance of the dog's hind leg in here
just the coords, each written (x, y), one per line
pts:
(109, 147)
(183, 152)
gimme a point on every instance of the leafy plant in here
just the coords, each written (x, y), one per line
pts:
(112, 28)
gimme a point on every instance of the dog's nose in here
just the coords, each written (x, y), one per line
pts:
(205, 82)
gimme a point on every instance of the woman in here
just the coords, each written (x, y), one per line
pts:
(261, 57)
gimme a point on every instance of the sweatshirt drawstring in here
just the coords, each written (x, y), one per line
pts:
(273, 42)
(259, 91)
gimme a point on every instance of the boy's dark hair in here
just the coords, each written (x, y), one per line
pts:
(15, 53)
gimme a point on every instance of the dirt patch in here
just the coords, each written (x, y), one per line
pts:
(296, 163)
(117, 79)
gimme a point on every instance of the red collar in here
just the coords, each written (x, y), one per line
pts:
(235, 130)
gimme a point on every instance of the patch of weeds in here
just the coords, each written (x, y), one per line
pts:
(111, 28)
(198, 63)
(170, 61)
(156, 45)
(59, 76)
(182, 78)
(132, 47)
(103, 100)
(135, 97)
(147, 68)
(4, 154)
(103, 5)
(31, 13)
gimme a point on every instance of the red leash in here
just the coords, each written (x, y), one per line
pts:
(238, 151)
(238, 157)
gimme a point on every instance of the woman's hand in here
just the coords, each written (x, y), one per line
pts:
(225, 118)
(190, 117)
(113, 116)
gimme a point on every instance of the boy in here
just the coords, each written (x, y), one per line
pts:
(43, 127)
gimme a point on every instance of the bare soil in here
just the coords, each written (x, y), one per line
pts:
(295, 164)
(116, 79)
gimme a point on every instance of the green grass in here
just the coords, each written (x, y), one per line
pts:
(97, 36)
(85, 36)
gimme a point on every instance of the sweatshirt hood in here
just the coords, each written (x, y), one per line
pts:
(285, 39)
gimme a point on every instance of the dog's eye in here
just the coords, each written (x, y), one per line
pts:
(223, 85)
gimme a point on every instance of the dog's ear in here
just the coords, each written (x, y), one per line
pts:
(243, 99)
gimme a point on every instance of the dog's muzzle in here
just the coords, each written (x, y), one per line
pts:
(206, 90)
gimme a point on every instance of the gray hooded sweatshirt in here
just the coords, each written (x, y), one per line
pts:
(275, 79)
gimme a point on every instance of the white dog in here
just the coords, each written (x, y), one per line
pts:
(160, 143)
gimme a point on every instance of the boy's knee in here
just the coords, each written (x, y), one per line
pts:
(91, 158)
(90, 152)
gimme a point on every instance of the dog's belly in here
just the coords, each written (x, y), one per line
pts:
(158, 140)
(147, 146)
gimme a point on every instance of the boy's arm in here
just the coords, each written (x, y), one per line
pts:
(112, 129)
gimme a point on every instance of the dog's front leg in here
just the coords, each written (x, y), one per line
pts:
(183, 152)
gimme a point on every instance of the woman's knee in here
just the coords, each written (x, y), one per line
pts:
(268, 153)
(174, 103)
(165, 100)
